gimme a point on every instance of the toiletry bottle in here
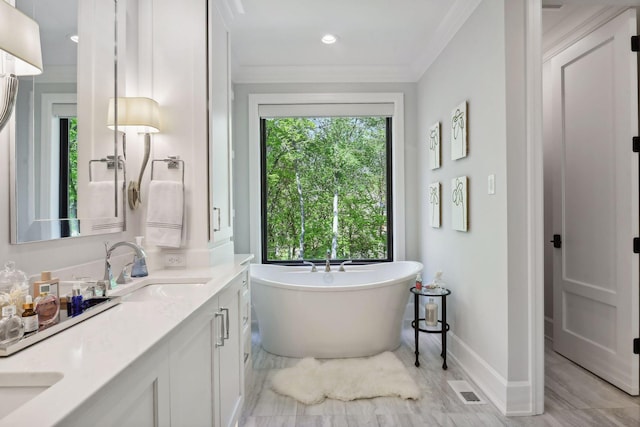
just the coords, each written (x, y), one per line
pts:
(431, 313)
(47, 307)
(419, 282)
(76, 301)
(46, 279)
(11, 327)
(139, 268)
(29, 316)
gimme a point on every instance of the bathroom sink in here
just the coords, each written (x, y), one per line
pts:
(17, 388)
(171, 291)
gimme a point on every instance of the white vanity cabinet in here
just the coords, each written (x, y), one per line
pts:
(193, 377)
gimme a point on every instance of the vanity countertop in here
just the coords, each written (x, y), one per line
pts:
(92, 353)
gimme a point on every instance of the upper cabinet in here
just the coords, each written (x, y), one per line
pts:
(220, 150)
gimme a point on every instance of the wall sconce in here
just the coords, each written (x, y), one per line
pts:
(20, 45)
(143, 116)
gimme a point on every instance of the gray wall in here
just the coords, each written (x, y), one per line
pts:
(241, 149)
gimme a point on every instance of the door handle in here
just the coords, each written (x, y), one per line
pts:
(219, 227)
(226, 312)
(557, 241)
(221, 342)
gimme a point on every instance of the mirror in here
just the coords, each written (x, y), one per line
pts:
(64, 177)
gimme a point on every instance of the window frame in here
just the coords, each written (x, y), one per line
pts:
(389, 201)
(395, 99)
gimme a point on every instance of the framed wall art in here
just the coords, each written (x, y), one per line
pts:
(459, 132)
(434, 205)
(434, 146)
(459, 204)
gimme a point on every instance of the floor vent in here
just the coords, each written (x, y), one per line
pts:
(466, 393)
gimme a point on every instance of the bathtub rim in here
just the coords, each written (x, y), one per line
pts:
(418, 266)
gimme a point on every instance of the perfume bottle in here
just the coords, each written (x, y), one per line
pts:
(11, 328)
(431, 313)
(47, 307)
(29, 316)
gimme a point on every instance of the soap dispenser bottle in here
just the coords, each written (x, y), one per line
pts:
(139, 268)
(431, 313)
(11, 327)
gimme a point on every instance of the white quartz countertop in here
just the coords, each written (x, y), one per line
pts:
(93, 352)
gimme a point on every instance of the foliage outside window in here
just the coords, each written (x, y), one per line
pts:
(326, 188)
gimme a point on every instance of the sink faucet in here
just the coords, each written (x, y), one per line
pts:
(108, 275)
(313, 266)
(327, 264)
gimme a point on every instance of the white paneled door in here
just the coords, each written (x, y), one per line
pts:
(595, 117)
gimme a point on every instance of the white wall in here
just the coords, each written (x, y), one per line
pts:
(241, 151)
(172, 70)
(486, 268)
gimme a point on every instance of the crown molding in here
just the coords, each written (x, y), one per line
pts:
(576, 25)
(321, 74)
(449, 26)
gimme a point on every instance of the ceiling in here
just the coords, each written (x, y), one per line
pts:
(277, 41)
(378, 40)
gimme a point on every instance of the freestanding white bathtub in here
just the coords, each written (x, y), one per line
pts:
(355, 313)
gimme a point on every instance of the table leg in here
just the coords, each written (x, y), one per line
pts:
(416, 326)
(444, 331)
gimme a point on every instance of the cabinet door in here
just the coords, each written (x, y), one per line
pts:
(220, 187)
(230, 382)
(191, 372)
(138, 397)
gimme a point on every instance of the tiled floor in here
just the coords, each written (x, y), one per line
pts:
(573, 397)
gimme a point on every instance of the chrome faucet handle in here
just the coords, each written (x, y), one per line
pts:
(343, 263)
(124, 277)
(313, 266)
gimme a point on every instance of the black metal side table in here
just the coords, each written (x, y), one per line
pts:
(444, 326)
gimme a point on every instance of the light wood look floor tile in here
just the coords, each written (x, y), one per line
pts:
(573, 397)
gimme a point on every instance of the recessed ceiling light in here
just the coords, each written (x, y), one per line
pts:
(329, 39)
(74, 38)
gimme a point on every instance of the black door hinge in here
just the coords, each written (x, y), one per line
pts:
(635, 44)
(557, 241)
(636, 144)
(636, 346)
(636, 245)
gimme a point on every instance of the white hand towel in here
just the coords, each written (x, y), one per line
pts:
(101, 213)
(165, 206)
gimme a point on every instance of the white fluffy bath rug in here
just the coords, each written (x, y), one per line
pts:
(310, 381)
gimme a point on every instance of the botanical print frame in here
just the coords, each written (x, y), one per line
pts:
(459, 132)
(459, 203)
(434, 205)
(434, 146)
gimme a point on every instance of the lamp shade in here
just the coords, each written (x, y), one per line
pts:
(140, 113)
(20, 38)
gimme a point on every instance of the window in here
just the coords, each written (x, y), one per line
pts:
(326, 186)
(68, 180)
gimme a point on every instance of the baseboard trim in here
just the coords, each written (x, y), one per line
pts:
(512, 398)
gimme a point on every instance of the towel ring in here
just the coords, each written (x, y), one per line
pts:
(173, 162)
(110, 165)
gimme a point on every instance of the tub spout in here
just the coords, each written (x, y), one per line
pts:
(343, 263)
(313, 266)
(327, 264)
